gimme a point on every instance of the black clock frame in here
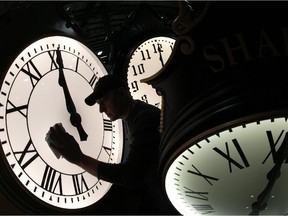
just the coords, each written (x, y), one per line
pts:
(20, 35)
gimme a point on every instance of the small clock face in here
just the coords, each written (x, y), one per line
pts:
(147, 59)
(32, 101)
(224, 171)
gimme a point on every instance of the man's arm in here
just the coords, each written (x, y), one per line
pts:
(89, 164)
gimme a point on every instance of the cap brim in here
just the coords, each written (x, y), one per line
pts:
(91, 99)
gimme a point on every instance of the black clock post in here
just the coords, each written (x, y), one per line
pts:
(225, 108)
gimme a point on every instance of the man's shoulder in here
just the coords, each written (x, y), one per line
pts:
(145, 106)
(144, 111)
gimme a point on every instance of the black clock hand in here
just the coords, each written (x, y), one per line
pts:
(75, 118)
(160, 55)
(262, 199)
(272, 176)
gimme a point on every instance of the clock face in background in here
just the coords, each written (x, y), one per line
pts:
(32, 101)
(146, 60)
(223, 172)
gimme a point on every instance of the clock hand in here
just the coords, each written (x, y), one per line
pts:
(272, 176)
(75, 118)
(262, 199)
(160, 55)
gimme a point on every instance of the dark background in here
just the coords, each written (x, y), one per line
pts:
(107, 26)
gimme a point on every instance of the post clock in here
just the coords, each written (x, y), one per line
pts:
(141, 49)
(145, 61)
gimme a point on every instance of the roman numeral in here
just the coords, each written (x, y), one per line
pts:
(54, 64)
(77, 64)
(32, 71)
(107, 125)
(272, 145)
(107, 150)
(195, 194)
(93, 80)
(21, 109)
(28, 155)
(206, 177)
(79, 184)
(204, 209)
(231, 160)
(52, 180)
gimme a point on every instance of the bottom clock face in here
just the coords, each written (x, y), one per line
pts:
(32, 101)
(224, 171)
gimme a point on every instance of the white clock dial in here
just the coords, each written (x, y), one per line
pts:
(32, 101)
(222, 172)
(147, 59)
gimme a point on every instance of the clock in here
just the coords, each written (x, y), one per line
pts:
(145, 61)
(46, 84)
(239, 167)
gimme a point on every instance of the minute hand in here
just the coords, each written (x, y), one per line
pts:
(272, 176)
(75, 118)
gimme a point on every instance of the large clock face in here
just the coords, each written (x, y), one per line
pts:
(146, 60)
(223, 171)
(32, 101)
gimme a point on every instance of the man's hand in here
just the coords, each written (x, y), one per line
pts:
(67, 146)
(64, 143)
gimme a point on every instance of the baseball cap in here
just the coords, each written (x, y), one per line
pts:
(104, 84)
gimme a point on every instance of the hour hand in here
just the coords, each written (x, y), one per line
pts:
(159, 48)
(75, 118)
